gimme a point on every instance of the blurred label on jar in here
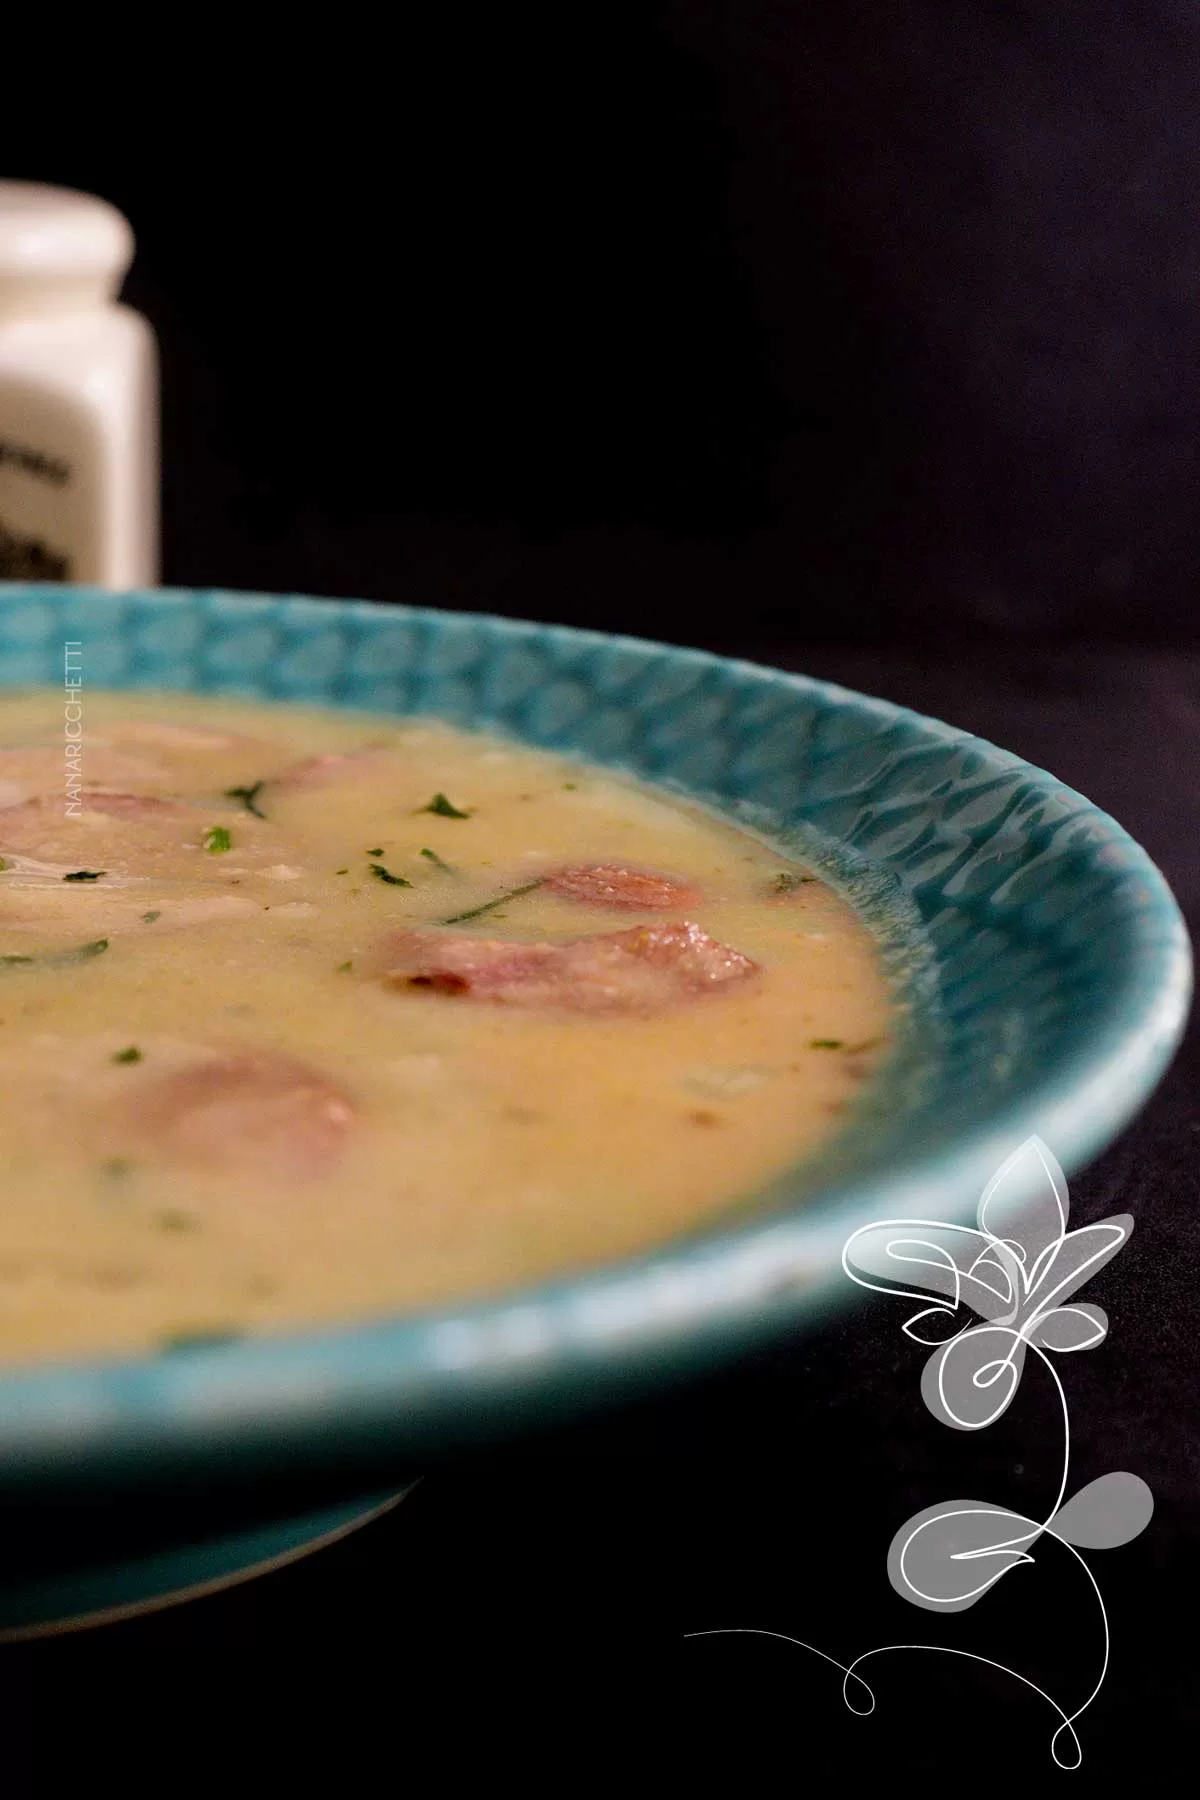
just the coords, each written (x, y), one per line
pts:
(29, 559)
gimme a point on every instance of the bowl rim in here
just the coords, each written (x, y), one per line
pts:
(456, 1373)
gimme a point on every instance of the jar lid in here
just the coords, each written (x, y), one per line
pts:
(49, 234)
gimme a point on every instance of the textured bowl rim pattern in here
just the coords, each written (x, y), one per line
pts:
(412, 1385)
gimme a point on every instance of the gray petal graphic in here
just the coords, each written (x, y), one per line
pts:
(1079, 1256)
(1070, 1328)
(1026, 1201)
(994, 1284)
(946, 1557)
(1108, 1512)
(901, 1251)
(970, 1381)
(918, 1257)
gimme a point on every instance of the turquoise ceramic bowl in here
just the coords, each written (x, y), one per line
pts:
(1044, 958)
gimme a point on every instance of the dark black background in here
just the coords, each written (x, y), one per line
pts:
(863, 338)
(698, 318)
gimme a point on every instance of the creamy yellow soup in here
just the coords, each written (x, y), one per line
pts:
(307, 1016)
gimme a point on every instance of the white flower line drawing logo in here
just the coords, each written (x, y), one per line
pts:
(1015, 1272)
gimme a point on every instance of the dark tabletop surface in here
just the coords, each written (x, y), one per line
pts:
(557, 1579)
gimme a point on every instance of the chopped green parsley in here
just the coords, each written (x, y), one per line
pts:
(477, 912)
(247, 796)
(54, 958)
(378, 870)
(445, 809)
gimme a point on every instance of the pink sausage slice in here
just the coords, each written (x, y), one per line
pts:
(638, 971)
(619, 889)
(254, 1110)
(319, 771)
(130, 806)
(34, 769)
(42, 827)
(161, 735)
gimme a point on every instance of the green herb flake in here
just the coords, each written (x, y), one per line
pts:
(201, 1339)
(248, 796)
(787, 883)
(149, 918)
(3, 863)
(378, 851)
(344, 968)
(52, 959)
(129, 1055)
(826, 1044)
(217, 838)
(433, 857)
(477, 912)
(378, 870)
(570, 786)
(445, 809)
(341, 871)
(85, 875)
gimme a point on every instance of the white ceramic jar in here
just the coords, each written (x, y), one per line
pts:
(78, 396)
